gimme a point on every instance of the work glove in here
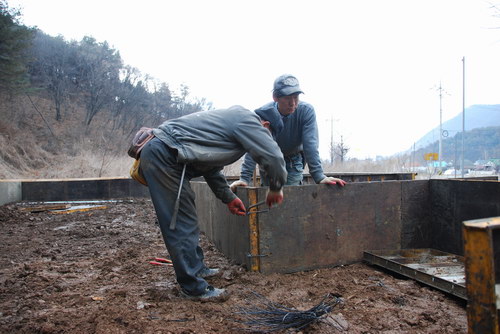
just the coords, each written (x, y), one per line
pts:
(274, 197)
(333, 180)
(236, 207)
(239, 183)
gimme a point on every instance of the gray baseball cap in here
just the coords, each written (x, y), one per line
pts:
(285, 85)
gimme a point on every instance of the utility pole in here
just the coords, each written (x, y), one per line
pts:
(332, 147)
(331, 140)
(440, 127)
(463, 115)
(440, 152)
(413, 159)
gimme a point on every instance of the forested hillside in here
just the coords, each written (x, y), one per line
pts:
(69, 108)
(479, 144)
(476, 116)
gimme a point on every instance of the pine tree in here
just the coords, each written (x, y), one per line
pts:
(15, 39)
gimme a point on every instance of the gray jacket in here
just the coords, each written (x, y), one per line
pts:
(209, 140)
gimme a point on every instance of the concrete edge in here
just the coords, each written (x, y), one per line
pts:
(10, 191)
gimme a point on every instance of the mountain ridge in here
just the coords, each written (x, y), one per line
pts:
(476, 116)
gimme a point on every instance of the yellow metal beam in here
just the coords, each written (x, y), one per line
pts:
(80, 208)
(254, 232)
(482, 316)
(46, 207)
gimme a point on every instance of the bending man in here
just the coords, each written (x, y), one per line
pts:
(201, 144)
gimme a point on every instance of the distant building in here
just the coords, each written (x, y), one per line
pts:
(487, 165)
(480, 164)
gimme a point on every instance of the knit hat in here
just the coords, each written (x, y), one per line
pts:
(272, 116)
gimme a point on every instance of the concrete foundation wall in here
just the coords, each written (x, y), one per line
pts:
(10, 191)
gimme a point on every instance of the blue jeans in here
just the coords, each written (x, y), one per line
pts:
(295, 168)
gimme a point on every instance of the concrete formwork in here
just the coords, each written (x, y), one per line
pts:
(76, 189)
(320, 226)
(454, 201)
(317, 225)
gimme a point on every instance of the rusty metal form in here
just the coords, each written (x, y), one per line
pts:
(482, 266)
(82, 189)
(316, 226)
(322, 226)
(441, 270)
(456, 201)
(230, 233)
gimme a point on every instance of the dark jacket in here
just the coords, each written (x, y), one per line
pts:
(210, 140)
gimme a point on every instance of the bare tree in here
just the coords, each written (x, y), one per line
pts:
(98, 74)
(341, 150)
(132, 103)
(50, 68)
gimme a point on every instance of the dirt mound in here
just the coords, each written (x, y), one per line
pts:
(89, 272)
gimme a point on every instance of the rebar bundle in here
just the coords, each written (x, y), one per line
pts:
(266, 316)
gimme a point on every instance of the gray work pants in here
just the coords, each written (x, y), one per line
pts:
(161, 171)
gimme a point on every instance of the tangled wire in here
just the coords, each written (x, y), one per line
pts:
(266, 317)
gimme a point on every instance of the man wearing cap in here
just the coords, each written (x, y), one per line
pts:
(295, 130)
(201, 144)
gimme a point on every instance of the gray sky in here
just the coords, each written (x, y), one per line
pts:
(373, 67)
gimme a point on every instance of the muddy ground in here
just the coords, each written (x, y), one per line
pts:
(89, 272)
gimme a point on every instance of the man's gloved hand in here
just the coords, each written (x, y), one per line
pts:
(237, 207)
(274, 197)
(237, 184)
(333, 180)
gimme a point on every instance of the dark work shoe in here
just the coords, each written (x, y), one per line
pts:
(210, 294)
(208, 272)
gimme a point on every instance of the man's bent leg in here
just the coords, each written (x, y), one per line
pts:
(163, 174)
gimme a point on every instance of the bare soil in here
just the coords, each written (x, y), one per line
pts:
(89, 272)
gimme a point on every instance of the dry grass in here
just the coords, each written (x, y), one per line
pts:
(34, 145)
